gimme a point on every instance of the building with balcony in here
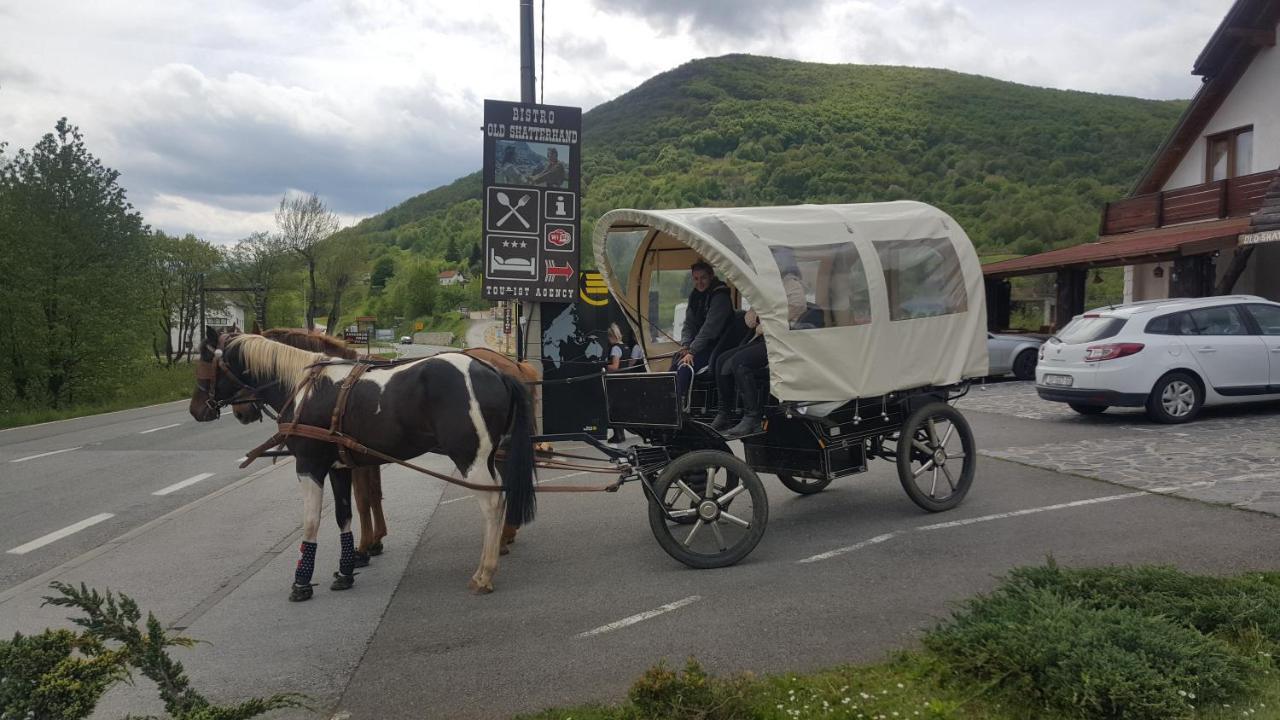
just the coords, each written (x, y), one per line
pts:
(1204, 216)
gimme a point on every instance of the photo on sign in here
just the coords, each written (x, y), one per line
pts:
(516, 162)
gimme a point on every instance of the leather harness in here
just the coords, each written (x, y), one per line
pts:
(347, 444)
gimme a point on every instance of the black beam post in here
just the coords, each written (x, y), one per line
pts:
(1070, 296)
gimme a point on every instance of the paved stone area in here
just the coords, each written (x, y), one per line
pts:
(1229, 456)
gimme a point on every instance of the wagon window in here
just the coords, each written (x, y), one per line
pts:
(668, 295)
(620, 246)
(834, 284)
(923, 278)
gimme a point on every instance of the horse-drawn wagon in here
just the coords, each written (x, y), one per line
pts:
(892, 329)
(895, 326)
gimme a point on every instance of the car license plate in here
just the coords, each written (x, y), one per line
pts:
(1058, 380)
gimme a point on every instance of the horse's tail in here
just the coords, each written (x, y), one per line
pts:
(517, 479)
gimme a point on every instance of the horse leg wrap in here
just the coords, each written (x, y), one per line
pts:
(347, 563)
(306, 564)
(345, 578)
(301, 589)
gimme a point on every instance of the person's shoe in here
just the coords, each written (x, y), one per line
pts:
(749, 425)
(722, 422)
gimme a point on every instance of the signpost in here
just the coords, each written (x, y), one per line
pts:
(532, 172)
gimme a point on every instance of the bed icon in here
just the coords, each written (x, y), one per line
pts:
(511, 265)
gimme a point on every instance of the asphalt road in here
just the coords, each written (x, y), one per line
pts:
(586, 600)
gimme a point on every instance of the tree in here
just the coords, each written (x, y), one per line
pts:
(304, 222)
(414, 290)
(73, 258)
(176, 266)
(260, 261)
(451, 253)
(343, 260)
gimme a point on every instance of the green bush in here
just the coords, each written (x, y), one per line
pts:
(61, 675)
(1036, 647)
(665, 694)
(1242, 610)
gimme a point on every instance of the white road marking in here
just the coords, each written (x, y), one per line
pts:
(162, 427)
(624, 622)
(47, 454)
(454, 500)
(59, 534)
(185, 483)
(970, 521)
(42, 580)
(241, 460)
(1030, 511)
(850, 548)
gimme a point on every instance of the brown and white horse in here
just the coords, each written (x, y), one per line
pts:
(450, 404)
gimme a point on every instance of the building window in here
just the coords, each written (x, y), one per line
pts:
(1229, 154)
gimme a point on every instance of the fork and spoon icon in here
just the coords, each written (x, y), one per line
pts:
(505, 201)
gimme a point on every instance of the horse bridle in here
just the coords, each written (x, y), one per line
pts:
(207, 374)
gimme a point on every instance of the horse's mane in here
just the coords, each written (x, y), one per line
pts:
(312, 340)
(267, 358)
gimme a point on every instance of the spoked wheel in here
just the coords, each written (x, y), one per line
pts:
(802, 485)
(936, 457)
(719, 507)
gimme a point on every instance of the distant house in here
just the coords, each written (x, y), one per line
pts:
(217, 315)
(450, 277)
(1204, 217)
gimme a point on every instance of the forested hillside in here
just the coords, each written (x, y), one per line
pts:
(1024, 169)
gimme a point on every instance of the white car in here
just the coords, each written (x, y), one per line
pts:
(1013, 354)
(1170, 356)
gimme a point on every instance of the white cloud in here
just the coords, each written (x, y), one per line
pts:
(212, 111)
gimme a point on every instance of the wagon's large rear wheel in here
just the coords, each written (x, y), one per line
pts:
(723, 498)
(936, 457)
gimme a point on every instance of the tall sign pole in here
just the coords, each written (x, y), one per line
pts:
(528, 83)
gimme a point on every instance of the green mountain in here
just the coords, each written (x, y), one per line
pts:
(1022, 168)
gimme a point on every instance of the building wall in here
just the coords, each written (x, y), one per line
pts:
(1255, 100)
(1141, 283)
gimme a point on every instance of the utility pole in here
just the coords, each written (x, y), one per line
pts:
(528, 94)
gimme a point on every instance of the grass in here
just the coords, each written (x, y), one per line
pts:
(1148, 643)
(151, 385)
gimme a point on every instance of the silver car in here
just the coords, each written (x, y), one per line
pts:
(1015, 354)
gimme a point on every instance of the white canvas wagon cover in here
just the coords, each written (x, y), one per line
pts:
(894, 292)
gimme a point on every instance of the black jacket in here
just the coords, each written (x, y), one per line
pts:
(705, 317)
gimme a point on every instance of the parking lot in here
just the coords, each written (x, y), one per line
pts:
(1228, 456)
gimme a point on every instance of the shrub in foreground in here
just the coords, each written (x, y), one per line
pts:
(61, 675)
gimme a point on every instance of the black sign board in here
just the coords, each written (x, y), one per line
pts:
(575, 343)
(532, 201)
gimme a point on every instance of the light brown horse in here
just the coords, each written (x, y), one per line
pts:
(367, 481)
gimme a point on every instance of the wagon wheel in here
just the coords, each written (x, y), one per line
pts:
(936, 457)
(729, 514)
(804, 486)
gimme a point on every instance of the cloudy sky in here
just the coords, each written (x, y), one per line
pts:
(213, 110)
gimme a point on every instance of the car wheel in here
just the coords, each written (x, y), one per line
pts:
(1024, 366)
(1176, 398)
(1088, 409)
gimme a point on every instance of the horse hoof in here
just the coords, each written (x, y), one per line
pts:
(479, 589)
(342, 582)
(362, 559)
(376, 548)
(504, 550)
(299, 593)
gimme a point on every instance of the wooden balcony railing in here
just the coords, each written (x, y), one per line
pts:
(1210, 201)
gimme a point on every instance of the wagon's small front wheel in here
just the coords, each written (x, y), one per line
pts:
(715, 509)
(936, 457)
